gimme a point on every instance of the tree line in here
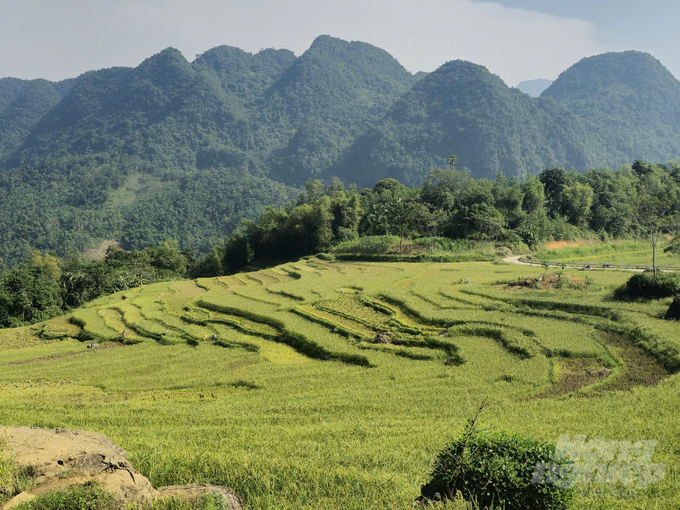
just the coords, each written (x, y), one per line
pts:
(639, 200)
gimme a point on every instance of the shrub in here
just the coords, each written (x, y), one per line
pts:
(643, 285)
(369, 245)
(497, 470)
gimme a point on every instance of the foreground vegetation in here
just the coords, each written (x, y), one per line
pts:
(335, 384)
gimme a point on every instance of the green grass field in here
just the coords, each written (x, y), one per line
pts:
(334, 384)
(634, 253)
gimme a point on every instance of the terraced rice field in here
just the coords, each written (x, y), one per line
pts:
(332, 385)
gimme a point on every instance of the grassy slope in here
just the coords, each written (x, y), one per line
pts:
(618, 253)
(283, 408)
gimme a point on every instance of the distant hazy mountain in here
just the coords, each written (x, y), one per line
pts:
(534, 88)
(183, 149)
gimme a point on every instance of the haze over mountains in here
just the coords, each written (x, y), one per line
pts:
(183, 149)
(534, 88)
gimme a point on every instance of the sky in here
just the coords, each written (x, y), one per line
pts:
(516, 39)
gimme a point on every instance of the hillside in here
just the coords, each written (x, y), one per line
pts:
(331, 94)
(462, 108)
(183, 149)
(332, 385)
(629, 104)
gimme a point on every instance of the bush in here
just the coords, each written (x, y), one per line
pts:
(497, 470)
(369, 245)
(643, 285)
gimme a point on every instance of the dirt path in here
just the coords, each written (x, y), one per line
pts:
(515, 259)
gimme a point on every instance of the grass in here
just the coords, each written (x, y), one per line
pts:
(633, 253)
(86, 497)
(314, 395)
(12, 479)
(92, 497)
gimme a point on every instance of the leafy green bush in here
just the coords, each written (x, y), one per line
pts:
(497, 470)
(643, 285)
(369, 245)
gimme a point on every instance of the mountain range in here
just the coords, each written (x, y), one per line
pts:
(181, 149)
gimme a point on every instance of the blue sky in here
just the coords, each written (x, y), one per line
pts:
(516, 39)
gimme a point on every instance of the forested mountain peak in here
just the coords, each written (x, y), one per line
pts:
(168, 68)
(629, 102)
(232, 59)
(462, 76)
(365, 56)
(619, 73)
(358, 62)
(330, 94)
(245, 74)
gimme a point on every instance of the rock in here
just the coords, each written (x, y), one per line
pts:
(599, 372)
(63, 458)
(383, 338)
(17, 500)
(194, 491)
(673, 313)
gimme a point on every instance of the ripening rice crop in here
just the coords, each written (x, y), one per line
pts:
(319, 384)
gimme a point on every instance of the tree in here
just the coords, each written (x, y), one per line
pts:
(314, 190)
(407, 215)
(167, 256)
(576, 201)
(452, 160)
(237, 253)
(553, 181)
(654, 217)
(534, 195)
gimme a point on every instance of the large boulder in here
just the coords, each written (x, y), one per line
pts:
(62, 458)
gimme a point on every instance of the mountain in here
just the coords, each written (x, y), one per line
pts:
(327, 97)
(629, 104)
(462, 108)
(181, 149)
(23, 104)
(605, 111)
(534, 88)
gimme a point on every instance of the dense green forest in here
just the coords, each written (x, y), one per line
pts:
(185, 150)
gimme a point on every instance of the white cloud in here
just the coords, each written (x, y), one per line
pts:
(77, 35)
